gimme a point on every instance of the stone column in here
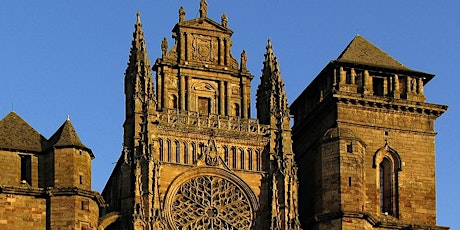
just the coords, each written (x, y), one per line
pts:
(343, 76)
(227, 99)
(182, 92)
(221, 51)
(244, 104)
(221, 98)
(182, 44)
(367, 83)
(353, 76)
(396, 91)
(160, 89)
(420, 86)
(187, 45)
(189, 93)
(165, 91)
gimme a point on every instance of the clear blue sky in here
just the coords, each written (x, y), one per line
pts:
(69, 57)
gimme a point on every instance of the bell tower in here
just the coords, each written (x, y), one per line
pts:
(364, 138)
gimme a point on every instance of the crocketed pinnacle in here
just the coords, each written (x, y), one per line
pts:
(138, 48)
(139, 63)
(273, 84)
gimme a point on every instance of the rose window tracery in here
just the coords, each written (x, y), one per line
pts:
(210, 202)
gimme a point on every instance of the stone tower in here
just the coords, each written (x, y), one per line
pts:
(192, 157)
(364, 141)
(45, 184)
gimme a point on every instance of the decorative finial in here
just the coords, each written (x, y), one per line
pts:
(269, 44)
(181, 14)
(224, 20)
(164, 47)
(203, 8)
(68, 117)
(138, 17)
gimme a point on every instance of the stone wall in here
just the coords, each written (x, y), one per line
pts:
(28, 212)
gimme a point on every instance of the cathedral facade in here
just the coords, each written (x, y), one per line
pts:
(360, 153)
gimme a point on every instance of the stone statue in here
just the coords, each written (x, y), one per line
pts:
(203, 8)
(244, 59)
(224, 20)
(164, 47)
(181, 14)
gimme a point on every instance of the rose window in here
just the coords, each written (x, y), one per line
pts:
(210, 202)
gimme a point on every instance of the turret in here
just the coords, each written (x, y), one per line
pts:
(72, 159)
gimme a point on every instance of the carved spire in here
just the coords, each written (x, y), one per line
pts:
(271, 95)
(139, 89)
(273, 110)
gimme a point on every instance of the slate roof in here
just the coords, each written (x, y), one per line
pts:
(361, 51)
(16, 134)
(66, 136)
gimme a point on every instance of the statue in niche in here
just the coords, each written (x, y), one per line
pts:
(181, 14)
(224, 20)
(203, 8)
(164, 47)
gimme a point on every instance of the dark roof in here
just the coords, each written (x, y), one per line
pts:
(361, 51)
(66, 136)
(16, 134)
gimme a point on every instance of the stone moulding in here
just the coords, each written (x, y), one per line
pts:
(372, 220)
(48, 192)
(237, 124)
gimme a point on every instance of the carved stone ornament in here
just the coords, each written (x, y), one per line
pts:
(202, 48)
(210, 198)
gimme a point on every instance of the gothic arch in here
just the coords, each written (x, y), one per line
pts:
(389, 152)
(108, 219)
(388, 164)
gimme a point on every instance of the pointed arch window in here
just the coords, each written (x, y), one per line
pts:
(193, 152)
(386, 186)
(234, 158)
(226, 154)
(242, 160)
(177, 143)
(250, 160)
(258, 160)
(169, 149)
(186, 156)
(161, 146)
(388, 164)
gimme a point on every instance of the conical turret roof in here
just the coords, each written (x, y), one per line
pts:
(66, 136)
(16, 134)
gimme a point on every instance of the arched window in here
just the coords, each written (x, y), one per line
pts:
(234, 157)
(242, 160)
(386, 186)
(193, 152)
(177, 143)
(250, 160)
(258, 160)
(169, 149)
(161, 146)
(186, 160)
(226, 154)
(388, 164)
